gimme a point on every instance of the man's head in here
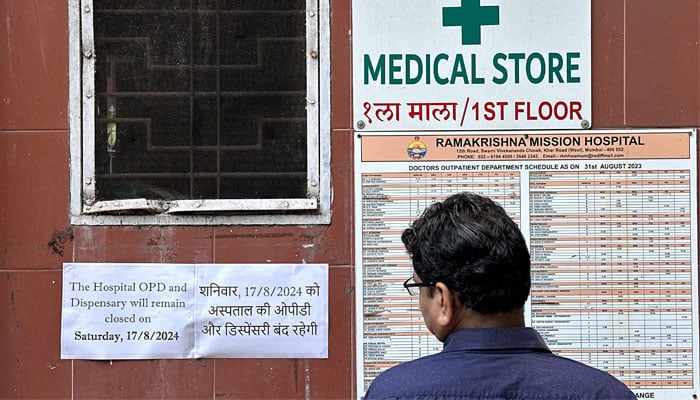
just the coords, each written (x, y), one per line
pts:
(469, 243)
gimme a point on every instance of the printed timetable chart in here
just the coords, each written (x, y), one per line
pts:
(612, 269)
(610, 218)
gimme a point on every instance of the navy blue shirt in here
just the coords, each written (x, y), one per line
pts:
(506, 363)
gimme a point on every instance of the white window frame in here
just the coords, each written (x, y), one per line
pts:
(85, 210)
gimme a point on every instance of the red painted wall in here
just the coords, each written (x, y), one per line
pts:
(646, 73)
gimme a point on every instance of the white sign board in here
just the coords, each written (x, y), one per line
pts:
(471, 64)
(149, 311)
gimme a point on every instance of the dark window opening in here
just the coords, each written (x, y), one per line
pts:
(200, 99)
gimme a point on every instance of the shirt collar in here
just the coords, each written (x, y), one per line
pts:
(494, 339)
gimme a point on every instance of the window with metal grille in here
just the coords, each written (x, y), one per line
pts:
(200, 111)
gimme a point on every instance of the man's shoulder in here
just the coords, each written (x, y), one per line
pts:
(409, 370)
(454, 375)
(575, 376)
(401, 377)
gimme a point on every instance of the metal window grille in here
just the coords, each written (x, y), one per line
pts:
(200, 106)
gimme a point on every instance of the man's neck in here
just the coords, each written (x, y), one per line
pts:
(473, 319)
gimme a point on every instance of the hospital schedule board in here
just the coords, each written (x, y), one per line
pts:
(610, 218)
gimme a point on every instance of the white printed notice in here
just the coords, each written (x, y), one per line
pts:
(610, 218)
(151, 311)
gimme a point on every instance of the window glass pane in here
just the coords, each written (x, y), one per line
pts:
(200, 99)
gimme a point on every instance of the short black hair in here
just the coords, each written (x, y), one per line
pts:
(469, 243)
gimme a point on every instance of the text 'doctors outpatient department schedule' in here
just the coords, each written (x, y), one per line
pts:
(610, 219)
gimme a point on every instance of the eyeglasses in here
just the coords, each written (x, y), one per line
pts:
(413, 287)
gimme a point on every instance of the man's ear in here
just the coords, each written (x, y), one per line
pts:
(448, 304)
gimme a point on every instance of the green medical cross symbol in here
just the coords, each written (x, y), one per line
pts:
(470, 16)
